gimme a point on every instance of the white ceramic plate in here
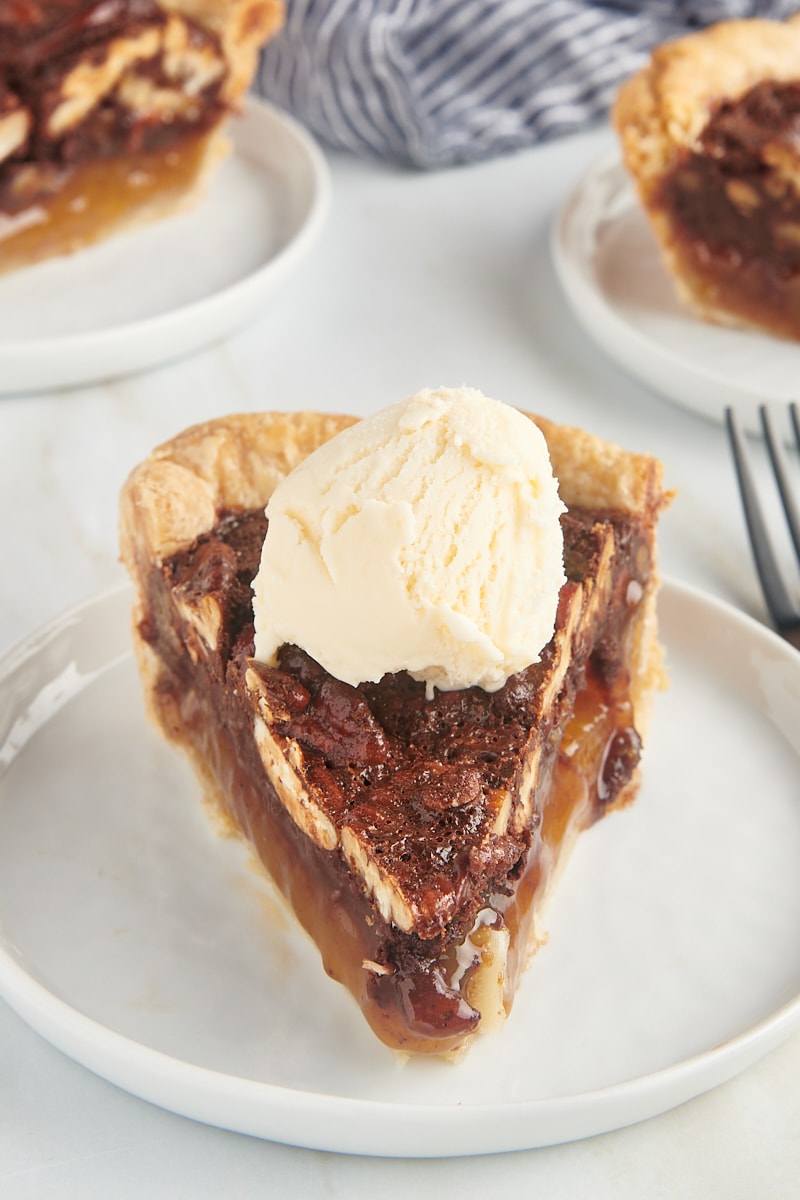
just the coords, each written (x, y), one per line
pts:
(145, 946)
(168, 288)
(613, 276)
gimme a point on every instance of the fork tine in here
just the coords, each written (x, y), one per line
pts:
(781, 470)
(794, 412)
(776, 594)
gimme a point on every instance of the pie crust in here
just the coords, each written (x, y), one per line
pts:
(709, 134)
(425, 893)
(112, 114)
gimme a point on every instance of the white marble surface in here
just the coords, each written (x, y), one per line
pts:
(417, 280)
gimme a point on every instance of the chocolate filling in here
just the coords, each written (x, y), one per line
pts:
(735, 208)
(35, 31)
(421, 782)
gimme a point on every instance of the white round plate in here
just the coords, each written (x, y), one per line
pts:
(146, 947)
(611, 270)
(165, 289)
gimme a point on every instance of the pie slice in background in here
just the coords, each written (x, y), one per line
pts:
(710, 133)
(112, 111)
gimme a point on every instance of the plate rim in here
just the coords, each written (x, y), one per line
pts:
(25, 365)
(332, 1122)
(578, 277)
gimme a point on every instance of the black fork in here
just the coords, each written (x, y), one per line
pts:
(782, 607)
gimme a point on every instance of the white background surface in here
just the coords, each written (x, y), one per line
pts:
(417, 280)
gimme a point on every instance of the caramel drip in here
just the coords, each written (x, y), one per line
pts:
(100, 197)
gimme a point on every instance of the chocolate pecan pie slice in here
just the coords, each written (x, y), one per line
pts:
(710, 131)
(111, 111)
(415, 839)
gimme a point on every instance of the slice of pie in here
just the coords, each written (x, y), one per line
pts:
(111, 111)
(710, 132)
(415, 839)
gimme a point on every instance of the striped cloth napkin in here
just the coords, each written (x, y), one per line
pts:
(432, 83)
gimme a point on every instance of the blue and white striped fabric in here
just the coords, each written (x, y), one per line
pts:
(437, 82)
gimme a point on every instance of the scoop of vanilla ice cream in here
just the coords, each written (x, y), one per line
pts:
(425, 538)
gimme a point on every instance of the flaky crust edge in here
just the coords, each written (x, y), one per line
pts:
(243, 27)
(663, 109)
